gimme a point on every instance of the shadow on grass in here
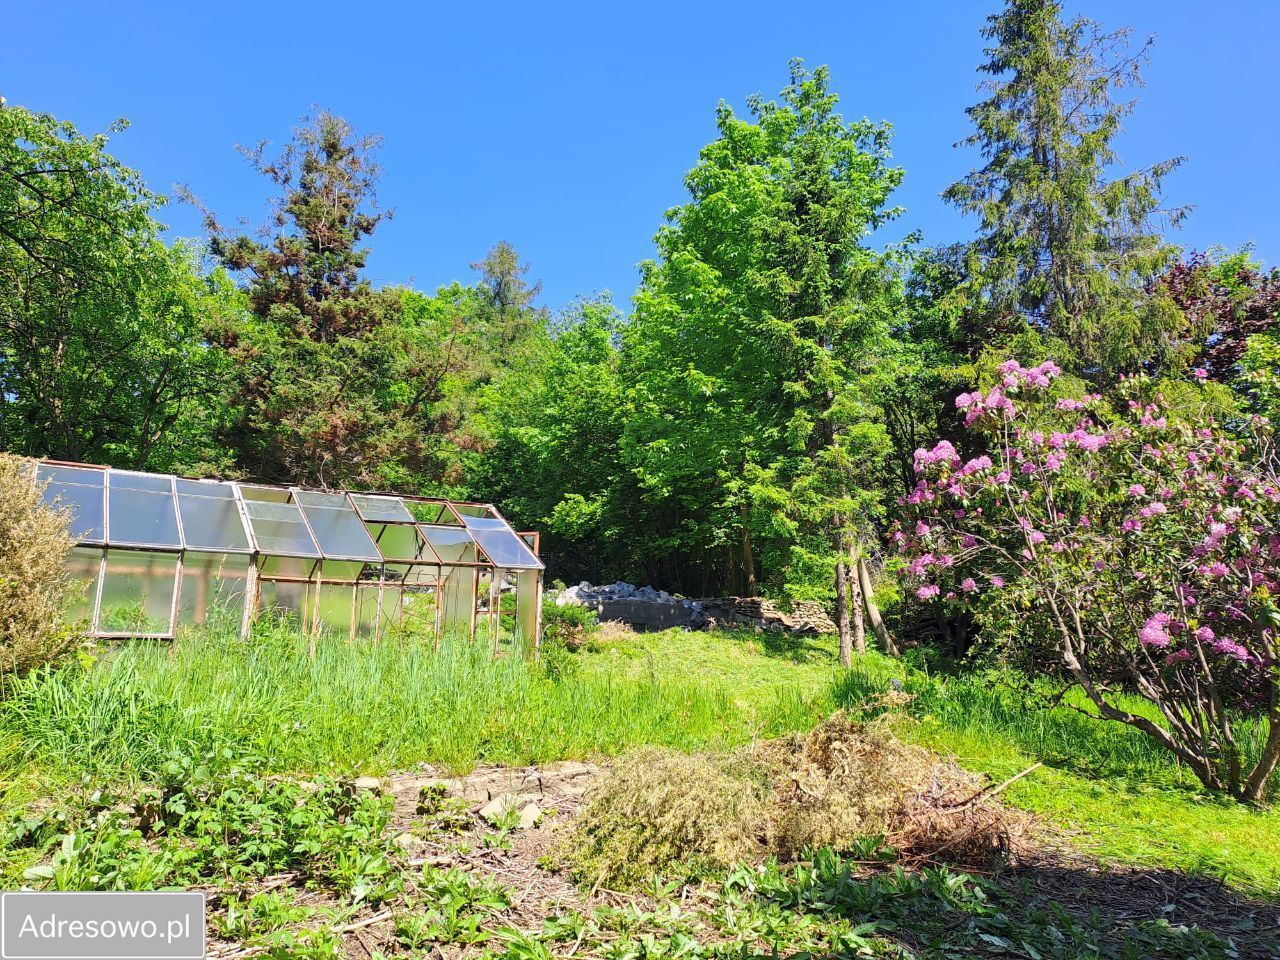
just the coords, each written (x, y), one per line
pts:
(806, 648)
(1157, 912)
(1052, 908)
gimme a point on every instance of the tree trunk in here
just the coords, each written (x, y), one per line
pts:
(855, 599)
(842, 614)
(1255, 787)
(883, 636)
(748, 562)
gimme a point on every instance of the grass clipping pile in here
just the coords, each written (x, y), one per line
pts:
(843, 783)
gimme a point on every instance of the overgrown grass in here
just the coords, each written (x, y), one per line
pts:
(373, 709)
(353, 708)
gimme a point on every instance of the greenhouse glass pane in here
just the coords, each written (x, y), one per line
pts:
(83, 565)
(382, 509)
(137, 593)
(206, 488)
(279, 528)
(451, 545)
(142, 519)
(500, 542)
(337, 529)
(335, 607)
(505, 549)
(287, 601)
(402, 543)
(213, 590)
(150, 482)
(212, 524)
(92, 478)
(366, 614)
(85, 504)
(287, 567)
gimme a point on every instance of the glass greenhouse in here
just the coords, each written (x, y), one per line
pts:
(159, 552)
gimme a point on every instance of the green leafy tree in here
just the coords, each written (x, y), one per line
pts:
(556, 419)
(103, 356)
(1063, 247)
(754, 334)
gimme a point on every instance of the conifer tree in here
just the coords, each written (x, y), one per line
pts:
(1061, 246)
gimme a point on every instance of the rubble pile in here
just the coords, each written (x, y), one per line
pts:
(650, 608)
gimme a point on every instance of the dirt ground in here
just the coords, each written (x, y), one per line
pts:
(1050, 870)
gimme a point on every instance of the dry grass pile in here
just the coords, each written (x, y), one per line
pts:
(844, 782)
(657, 808)
(848, 780)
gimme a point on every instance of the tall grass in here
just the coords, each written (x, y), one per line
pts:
(354, 707)
(1004, 708)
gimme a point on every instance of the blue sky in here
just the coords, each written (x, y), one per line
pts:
(566, 128)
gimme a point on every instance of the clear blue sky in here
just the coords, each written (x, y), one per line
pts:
(567, 128)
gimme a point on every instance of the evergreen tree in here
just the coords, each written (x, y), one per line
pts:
(315, 402)
(1062, 247)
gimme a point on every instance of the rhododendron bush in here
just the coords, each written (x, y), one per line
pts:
(1136, 549)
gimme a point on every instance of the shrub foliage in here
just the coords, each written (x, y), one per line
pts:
(34, 583)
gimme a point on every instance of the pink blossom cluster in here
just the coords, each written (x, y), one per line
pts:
(1150, 517)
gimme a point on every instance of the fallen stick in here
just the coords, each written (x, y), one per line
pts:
(992, 791)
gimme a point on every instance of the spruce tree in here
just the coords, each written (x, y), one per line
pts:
(1063, 247)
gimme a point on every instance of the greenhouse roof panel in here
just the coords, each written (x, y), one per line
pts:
(159, 512)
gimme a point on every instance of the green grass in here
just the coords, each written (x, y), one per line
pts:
(1118, 795)
(360, 708)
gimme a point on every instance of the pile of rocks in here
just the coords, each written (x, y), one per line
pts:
(649, 608)
(643, 607)
(756, 613)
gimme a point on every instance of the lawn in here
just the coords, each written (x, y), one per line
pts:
(376, 709)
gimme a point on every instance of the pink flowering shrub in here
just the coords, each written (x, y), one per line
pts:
(1127, 550)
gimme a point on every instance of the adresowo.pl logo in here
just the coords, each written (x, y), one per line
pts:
(101, 926)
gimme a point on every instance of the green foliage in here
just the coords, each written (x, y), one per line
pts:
(218, 819)
(102, 327)
(1060, 246)
(754, 332)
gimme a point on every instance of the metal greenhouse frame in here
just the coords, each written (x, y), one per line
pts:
(161, 551)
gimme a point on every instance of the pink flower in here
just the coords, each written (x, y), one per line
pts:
(1204, 634)
(1036, 537)
(922, 528)
(1137, 490)
(968, 585)
(1200, 373)
(1232, 649)
(1155, 632)
(928, 591)
(997, 582)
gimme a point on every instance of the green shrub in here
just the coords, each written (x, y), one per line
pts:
(569, 626)
(34, 579)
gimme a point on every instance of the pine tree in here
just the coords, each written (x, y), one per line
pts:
(1061, 246)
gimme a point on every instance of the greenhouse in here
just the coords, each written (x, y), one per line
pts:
(159, 552)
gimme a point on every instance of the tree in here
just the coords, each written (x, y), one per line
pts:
(1131, 550)
(752, 335)
(555, 464)
(506, 293)
(103, 356)
(1230, 304)
(1061, 247)
(316, 400)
